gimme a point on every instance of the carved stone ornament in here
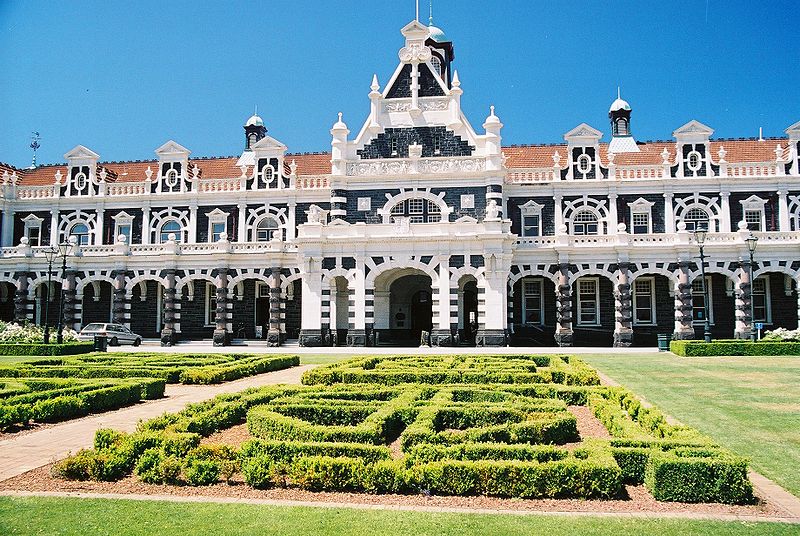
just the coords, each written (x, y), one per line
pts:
(414, 53)
(402, 225)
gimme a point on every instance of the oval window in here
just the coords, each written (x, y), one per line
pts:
(584, 164)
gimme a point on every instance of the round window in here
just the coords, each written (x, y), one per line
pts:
(694, 160)
(172, 178)
(584, 163)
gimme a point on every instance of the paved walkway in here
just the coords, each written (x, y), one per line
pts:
(38, 448)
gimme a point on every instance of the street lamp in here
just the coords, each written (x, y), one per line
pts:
(752, 242)
(700, 233)
(63, 252)
(50, 254)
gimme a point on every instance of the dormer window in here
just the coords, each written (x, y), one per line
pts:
(753, 213)
(171, 179)
(641, 216)
(33, 230)
(693, 161)
(123, 225)
(81, 232)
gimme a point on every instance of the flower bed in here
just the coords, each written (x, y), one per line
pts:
(498, 439)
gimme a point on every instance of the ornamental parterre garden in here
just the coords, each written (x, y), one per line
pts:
(57, 389)
(497, 426)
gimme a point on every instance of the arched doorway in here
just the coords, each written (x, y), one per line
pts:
(467, 310)
(403, 306)
(339, 310)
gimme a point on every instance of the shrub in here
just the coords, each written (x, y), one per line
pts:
(323, 473)
(734, 348)
(723, 479)
(199, 472)
(16, 414)
(148, 468)
(59, 409)
(37, 348)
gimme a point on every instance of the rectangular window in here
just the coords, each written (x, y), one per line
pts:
(698, 301)
(217, 229)
(641, 223)
(531, 226)
(761, 301)
(644, 301)
(124, 229)
(211, 304)
(753, 219)
(532, 303)
(34, 235)
(588, 302)
(415, 206)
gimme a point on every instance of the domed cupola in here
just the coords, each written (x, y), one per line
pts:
(254, 131)
(621, 138)
(442, 54)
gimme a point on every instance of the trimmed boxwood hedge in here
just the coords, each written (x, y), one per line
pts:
(734, 348)
(67, 348)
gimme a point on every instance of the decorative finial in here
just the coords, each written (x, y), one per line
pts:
(35, 137)
(256, 112)
(340, 116)
(618, 93)
(430, 17)
(375, 85)
(456, 82)
(491, 109)
(417, 17)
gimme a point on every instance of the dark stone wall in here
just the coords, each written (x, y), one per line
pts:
(435, 141)
(193, 314)
(452, 198)
(144, 314)
(136, 226)
(770, 209)
(245, 313)
(19, 225)
(7, 305)
(428, 86)
(548, 222)
(97, 311)
(724, 312)
(784, 308)
(202, 222)
(665, 315)
(293, 311)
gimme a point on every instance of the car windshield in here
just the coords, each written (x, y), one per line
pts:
(94, 327)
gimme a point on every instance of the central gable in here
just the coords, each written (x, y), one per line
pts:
(428, 85)
(435, 141)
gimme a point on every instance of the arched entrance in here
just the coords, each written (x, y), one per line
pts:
(339, 310)
(403, 306)
(467, 310)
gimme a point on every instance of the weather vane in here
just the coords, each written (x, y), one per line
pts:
(35, 137)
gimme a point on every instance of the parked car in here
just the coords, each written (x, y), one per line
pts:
(115, 333)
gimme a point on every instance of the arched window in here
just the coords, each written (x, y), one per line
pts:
(622, 127)
(171, 227)
(418, 210)
(585, 223)
(696, 218)
(437, 65)
(265, 228)
(81, 232)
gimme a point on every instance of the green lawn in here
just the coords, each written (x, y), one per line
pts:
(325, 359)
(749, 404)
(48, 516)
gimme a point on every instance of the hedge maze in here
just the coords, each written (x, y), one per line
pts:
(57, 389)
(399, 430)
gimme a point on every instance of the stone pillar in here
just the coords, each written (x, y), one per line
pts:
(783, 211)
(725, 213)
(311, 321)
(99, 227)
(7, 225)
(274, 331)
(613, 217)
(441, 334)
(742, 303)
(357, 332)
(669, 214)
(563, 334)
(71, 314)
(21, 305)
(168, 335)
(119, 310)
(145, 224)
(241, 224)
(222, 336)
(492, 304)
(684, 328)
(623, 321)
(192, 224)
(53, 227)
(559, 213)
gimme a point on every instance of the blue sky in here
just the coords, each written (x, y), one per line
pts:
(124, 77)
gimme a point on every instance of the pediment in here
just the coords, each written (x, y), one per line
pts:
(466, 219)
(641, 202)
(172, 149)
(81, 152)
(415, 30)
(268, 143)
(32, 218)
(583, 131)
(122, 216)
(794, 131)
(694, 127)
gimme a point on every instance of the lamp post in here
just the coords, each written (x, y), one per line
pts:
(63, 252)
(752, 242)
(700, 238)
(50, 254)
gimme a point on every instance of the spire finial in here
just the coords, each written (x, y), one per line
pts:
(256, 113)
(340, 116)
(618, 93)
(430, 17)
(417, 19)
(375, 86)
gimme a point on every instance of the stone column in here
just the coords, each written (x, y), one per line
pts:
(623, 322)
(99, 227)
(192, 224)
(783, 211)
(221, 335)
(71, 316)
(311, 321)
(145, 225)
(241, 224)
(742, 302)
(725, 213)
(669, 213)
(119, 309)
(492, 304)
(168, 335)
(684, 328)
(613, 217)
(274, 332)
(357, 333)
(8, 225)
(563, 334)
(53, 227)
(21, 305)
(441, 334)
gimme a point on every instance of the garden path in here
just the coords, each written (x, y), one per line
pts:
(35, 449)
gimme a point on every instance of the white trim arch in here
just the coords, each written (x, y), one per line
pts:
(160, 218)
(81, 283)
(598, 207)
(391, 201)
(708, 204)
(70, 220)
(256, 215)
(531, 272)
(143, 278)
(188, 281)
(401, 265)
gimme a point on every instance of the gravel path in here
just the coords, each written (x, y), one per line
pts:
(23, 452)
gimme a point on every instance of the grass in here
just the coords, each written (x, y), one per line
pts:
(49, 516)
(325, 359)
(750, 405)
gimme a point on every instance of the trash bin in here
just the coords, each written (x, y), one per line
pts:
(663, 341)
(100, 343)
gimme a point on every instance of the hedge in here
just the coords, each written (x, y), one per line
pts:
(733, 348)
(723, 479)
(67, 348)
